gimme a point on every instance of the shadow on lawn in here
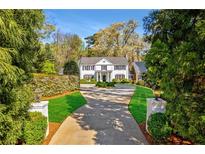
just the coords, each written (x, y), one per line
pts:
(106, 114)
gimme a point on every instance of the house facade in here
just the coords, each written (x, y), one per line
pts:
(103, 68)
(139, 69)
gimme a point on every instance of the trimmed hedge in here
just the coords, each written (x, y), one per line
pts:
(48, 85)
(35, 129)
(121, 81)
(105, 84)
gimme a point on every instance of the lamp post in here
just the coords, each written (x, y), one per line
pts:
(37, 95)
(157, 94)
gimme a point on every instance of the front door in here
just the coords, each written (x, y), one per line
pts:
(104, 78)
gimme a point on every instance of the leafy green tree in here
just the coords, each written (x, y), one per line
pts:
(71, 68)
(20, 32)
(119, 39)
(66, 47)
(48, 67)
(44, 54)
(176, 62)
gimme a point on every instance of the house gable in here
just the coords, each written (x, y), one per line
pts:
(139, 67)
(104, 62)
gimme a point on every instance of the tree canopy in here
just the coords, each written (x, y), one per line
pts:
(20, 34)
(119, 39)
(176, 63)
(66, 47)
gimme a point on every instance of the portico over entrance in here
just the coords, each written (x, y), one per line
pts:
(103, 76)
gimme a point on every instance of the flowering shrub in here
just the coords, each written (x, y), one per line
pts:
(48, 85)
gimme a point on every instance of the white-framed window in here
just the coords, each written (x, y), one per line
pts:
(88, 67)
(119, 76)
(120, 67)
(88, 76)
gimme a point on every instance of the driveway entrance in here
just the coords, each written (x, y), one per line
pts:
(104, 120)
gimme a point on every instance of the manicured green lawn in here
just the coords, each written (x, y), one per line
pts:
(60, 108)
(138, 104)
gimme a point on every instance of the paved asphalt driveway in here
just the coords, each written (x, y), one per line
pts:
(104, 120)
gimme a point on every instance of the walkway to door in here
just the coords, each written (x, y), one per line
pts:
(104, 120)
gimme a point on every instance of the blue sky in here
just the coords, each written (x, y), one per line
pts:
(87, 22)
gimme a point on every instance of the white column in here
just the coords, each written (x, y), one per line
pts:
(100, 76)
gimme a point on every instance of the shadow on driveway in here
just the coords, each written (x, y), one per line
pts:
(107, 114)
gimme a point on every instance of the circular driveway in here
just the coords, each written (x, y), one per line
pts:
(105, 119)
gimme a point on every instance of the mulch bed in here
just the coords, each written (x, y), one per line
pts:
(172, 140)
(53, 127)
(146, 134)
(177, 140)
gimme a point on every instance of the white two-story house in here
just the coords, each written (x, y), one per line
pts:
(103, 68)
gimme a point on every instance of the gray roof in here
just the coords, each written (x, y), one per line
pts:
(140, 67)
(113, 60)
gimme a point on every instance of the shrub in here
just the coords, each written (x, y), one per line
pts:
(141, 83)
(49, 85)
(121, 81)
(71, 68)
(48, 67)
(13, 114)
(124, 81)
(158, 126)
(86, 81)
(115, 80)
(35, 129)
(105, 84)
(110, 84)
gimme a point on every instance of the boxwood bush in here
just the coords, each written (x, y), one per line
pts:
(49, 85)
(121, 81)
(105, 84)
(35, 128)
(158, 126)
